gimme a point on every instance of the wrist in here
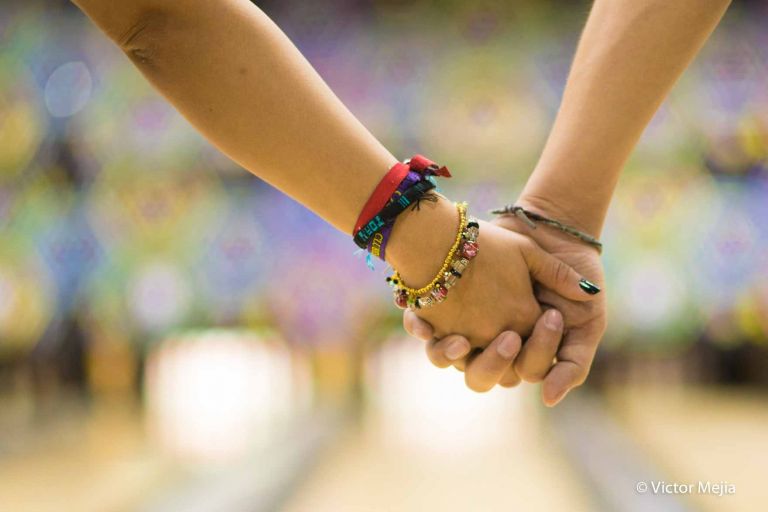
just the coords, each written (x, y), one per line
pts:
(421, 239)
(544, 223)
(583, 217)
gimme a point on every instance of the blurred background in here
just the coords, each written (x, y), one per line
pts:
(166, 345)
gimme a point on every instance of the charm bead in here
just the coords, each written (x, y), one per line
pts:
(401, 299)
(469, 250)
(439, 292)
(460, 265)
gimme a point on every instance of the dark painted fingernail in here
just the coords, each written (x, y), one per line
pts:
(589, 287)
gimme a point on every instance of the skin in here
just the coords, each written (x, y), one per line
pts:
(238, 79)
(523, 259)
(583, 325)
(630, 55)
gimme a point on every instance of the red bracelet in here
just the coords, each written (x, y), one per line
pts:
(389, 183)
(381, 194)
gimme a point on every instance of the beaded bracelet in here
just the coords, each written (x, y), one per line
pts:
(464, 248)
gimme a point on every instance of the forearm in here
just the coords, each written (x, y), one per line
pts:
(239, 80)
(630, 55)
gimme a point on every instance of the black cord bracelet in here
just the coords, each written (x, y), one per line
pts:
(530, 218)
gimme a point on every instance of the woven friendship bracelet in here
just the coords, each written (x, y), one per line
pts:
(398, 189)
(530, 218)
(377, 244)
(390, 212)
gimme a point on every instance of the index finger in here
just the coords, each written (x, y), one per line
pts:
(539, 351)
(574, 360)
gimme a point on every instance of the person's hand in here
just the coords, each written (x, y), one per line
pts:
(484, 369)
(496, 292)
(585, 323)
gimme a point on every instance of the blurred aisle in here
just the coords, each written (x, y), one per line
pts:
(423, 442)
(701, 434)
(97, 461)
(427, 443)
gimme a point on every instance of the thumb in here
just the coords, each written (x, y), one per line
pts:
(556, 275)
(417, 327)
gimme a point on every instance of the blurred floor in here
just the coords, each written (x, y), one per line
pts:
(427, 443)
(423, 442)
(97, 461)
(374, 471)
(701, 434)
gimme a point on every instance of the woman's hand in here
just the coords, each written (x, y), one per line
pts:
(495, 293)
(584, 325)
(493, 365)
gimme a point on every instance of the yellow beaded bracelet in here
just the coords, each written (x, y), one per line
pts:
(415, 292)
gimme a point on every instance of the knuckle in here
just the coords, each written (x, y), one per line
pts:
(460, 365)
(436, 356)
(532, 378)
(510, 378)
(509, 382)
(528, 375)
(561, 273)
(440, 362)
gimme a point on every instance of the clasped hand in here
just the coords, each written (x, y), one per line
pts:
(521, 297)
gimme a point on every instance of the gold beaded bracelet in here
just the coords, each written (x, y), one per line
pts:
(406, 296)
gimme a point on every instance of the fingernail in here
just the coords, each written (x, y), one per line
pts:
(557, 398)
(507, 348)
(456, 350)
(554, 320)
(589, 287)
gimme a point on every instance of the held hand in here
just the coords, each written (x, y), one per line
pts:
(493, 365)
(496, 292)
(585, 323)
